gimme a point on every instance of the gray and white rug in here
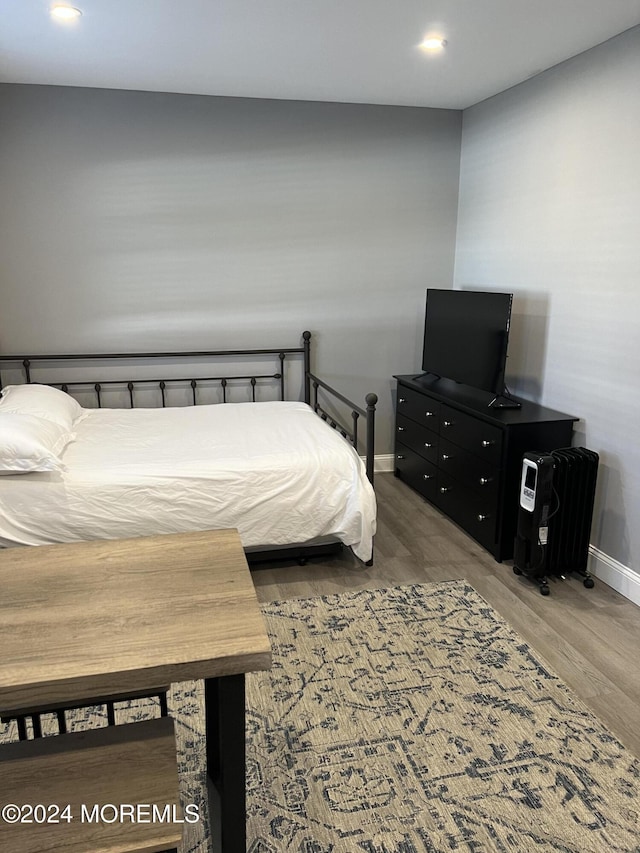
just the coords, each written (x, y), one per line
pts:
(412, 720)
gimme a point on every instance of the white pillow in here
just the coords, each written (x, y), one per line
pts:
(29, 443)
(43, 401)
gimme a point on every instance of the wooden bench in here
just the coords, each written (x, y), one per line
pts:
(107, 768)
(60, 709)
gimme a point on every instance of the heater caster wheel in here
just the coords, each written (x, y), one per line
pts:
(517, 571)
(302, 561)
(544, 589)
(588, 582)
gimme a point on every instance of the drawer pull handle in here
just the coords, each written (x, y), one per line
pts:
(400, 456)
(445, 456)
(486, 443)
(400, 429)
(428, 414)
(427, 476)
(447, 423)
(444, 489)
(426, 444)
(482, 517)
(485, 481)
(402, 400)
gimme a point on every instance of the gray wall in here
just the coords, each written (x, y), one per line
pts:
(144, 220)
(133, 220)
(550, 209)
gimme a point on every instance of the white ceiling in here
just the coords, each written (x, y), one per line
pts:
(355, 51)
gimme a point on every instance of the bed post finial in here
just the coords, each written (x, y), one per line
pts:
(306, 337)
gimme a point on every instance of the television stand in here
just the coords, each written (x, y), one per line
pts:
(504, 401)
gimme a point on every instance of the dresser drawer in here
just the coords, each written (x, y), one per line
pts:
(473, 434)
(470, 470)
(477, 514)
(418, 407)
(417, 438)
(415, 471)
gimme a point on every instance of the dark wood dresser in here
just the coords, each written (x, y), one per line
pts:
(466, 458)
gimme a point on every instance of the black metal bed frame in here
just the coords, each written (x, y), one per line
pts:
(323, 400)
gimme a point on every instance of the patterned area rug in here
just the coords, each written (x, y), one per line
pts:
(412, 720)
(415, 719)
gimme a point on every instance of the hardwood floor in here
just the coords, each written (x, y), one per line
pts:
(591, 638)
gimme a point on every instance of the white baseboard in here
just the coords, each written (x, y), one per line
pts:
(383, 463)
(614, 574)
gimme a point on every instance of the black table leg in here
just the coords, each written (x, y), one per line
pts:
(225, 732)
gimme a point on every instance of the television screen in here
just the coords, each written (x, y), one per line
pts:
(465, 337)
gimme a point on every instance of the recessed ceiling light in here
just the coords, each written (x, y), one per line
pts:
(433, 43)
(65, 13)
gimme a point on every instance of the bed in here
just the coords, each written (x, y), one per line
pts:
(178, 454)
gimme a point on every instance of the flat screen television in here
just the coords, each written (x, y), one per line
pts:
(466, 333)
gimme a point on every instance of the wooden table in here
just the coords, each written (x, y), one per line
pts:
(100, 618)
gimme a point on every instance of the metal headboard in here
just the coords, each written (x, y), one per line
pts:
(29, 365)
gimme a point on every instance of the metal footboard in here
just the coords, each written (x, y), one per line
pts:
(350, 433)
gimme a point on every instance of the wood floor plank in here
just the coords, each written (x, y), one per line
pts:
(590, 637)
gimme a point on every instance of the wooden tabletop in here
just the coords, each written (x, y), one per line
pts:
(99, 618)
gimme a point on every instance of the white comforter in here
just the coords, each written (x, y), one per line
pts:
(273, 470)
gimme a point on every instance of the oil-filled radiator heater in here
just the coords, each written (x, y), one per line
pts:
(557, 492)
